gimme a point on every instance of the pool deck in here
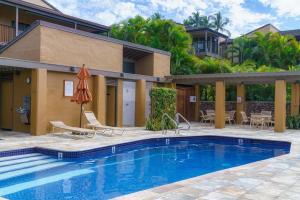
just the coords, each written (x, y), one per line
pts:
(275, 178)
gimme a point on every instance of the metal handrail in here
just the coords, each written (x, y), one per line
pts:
(163, 123)
(178, 116)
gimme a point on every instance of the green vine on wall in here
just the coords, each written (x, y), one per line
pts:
(163, 100)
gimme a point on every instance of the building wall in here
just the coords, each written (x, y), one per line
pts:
(61, 47)
(27, 48)
(145, 65)
(59, 107)
(162, 65)
(264, 30)
(7, 14)
(20, 89)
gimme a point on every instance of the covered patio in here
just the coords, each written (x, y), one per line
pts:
(240, 80)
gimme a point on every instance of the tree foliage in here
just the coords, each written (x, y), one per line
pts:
(197, 20)
(217, 22)
(162, 34)
(271, 49)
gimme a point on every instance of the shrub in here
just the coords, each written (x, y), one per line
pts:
(210, 65)
(163, 100)
(293, 122)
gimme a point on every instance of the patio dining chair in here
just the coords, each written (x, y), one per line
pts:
(257, 121)
(245, 118)
(232, 116)
(268, 119)
(206, 118)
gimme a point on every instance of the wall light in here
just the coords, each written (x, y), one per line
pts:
(72, 69)
(28, 80)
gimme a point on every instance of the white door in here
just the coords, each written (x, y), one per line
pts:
(128, 103)
(149, 86)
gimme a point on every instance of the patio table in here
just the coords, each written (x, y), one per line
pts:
(259, 118)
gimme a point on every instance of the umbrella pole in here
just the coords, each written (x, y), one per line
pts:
(80, 114)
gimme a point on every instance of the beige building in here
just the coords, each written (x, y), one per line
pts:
(42, 50)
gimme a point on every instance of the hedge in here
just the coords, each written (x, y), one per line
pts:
(163, 100)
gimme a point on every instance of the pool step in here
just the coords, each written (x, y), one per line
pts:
(25, 165)
(23, 160)
(18, 157)
(43, 181)
(21, 172)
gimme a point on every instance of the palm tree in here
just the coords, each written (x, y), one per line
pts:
(241, 48)
(219, 23)
(197, 20)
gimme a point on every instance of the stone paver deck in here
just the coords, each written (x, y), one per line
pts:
(275, 178)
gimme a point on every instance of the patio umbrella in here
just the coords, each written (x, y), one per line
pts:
(82, 94)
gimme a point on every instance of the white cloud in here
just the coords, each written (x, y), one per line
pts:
(244, 20)
(288, 8)
(112, 11)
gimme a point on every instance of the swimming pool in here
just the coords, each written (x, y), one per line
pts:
(117, 170)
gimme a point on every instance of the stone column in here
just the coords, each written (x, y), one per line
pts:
(295, 97)
(38, 118)
(220, 105)
(280, 106)
(197, 105)
(140, 103)
(240, 106)
(100, 98)
(119, 110)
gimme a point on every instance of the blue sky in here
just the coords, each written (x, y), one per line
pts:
(245, 15)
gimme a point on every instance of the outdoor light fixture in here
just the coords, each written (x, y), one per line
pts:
(28, 80)
(72, 69)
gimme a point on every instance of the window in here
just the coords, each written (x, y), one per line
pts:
(22, 26)
(129, 67)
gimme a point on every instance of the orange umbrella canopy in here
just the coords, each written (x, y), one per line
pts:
(82, 94)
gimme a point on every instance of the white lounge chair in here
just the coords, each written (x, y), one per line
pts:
(59, 125)
(94, 124)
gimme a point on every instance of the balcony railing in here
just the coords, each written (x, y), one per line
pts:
(7, 33)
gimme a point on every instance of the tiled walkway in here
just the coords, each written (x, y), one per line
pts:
(276, 178)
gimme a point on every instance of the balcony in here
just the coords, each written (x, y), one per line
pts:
(207, 45)
(201, 51)
(7, 33)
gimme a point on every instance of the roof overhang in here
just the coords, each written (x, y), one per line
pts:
(203, 29)
(53, 14)
(135, 48)
(236, 78)
(17, 64)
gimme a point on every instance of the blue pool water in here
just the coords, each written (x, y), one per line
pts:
(127, 168)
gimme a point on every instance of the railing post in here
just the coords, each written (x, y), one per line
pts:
(17, 21)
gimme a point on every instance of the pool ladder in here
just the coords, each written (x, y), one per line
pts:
(176, 122)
